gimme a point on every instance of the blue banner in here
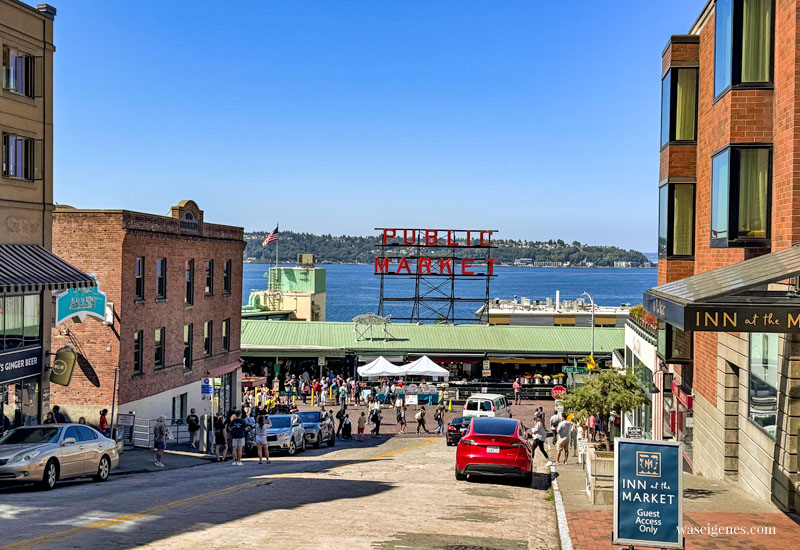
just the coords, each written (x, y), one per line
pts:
(20, 364)
(648, 493)
(81, 303)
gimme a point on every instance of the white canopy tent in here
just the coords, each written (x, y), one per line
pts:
(380, 367)
(425, 367)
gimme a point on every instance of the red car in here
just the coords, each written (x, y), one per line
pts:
(495, 447)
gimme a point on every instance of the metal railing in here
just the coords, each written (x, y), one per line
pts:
(143, 432)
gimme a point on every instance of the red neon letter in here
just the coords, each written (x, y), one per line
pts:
(424, 263)
(465, 264)
(431, 237)
(381, 265)
(488, 242)
(388, 234)
(403, 265)
(445, 264)
(469, 240)
(450, 240)
(413, 236)
(490, 262)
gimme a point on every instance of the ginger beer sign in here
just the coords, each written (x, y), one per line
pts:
(648, 493)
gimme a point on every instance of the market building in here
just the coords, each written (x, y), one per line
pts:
(173, 287)
(29, 272)
(728, 272)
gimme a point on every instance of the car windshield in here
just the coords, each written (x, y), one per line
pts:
(494, 426)
(30, 436)
(459, 420)
(281, 421)
(309, 416)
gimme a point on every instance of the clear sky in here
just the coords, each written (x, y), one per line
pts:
(539, 119)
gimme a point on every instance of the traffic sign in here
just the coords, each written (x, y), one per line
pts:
(575, 370)
(558, 392)
(206, 388)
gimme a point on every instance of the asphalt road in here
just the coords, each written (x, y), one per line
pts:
(381, 494)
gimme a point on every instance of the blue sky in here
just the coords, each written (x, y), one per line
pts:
(539, 119)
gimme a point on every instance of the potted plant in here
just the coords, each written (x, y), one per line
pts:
(546, 378)
(537, 378)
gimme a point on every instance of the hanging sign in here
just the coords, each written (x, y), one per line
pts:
(63, 365)
(81, 303)
(20, 364)
(487, 368)
(648, 492)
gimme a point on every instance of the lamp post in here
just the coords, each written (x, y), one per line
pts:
(591, 301)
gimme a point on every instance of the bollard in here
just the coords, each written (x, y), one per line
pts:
(312, 398)
(294, 400)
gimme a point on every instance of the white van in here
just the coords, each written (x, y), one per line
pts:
(487, 404)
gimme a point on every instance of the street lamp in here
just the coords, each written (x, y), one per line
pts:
(592, 302)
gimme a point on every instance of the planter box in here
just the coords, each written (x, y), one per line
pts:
(600, 476)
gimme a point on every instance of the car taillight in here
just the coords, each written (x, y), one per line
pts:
(451, 428)
(467, 441)
(517, 445)
(492, 408)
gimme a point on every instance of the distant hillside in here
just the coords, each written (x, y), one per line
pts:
(346, 249)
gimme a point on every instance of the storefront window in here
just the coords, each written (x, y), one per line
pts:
(20, 321)
(763, 395)
(19, 404)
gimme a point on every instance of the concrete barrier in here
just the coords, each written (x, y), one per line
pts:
(600, 476)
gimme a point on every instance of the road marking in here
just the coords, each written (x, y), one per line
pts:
(53, 537)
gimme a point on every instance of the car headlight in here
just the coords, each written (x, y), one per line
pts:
(24, 456)
(283, 435)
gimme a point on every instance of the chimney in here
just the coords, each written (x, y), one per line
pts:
(47, 10)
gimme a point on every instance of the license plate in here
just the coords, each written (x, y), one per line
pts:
(492, 449)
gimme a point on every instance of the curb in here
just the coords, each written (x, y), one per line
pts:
(561, 514)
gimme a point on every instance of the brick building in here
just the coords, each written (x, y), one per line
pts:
(729, 223)
(174, 284)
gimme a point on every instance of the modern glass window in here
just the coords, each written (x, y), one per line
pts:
(19, 72)
(159, 347)
(763, 394)
(674, 345)
(20, 321)
(742, 44)
(679, 106)
(161, 278)
(226, 335)
(140, 278)
(189, 299)
(22, 157)
(208, 333)
(226, 277)
(138, 336)
(209, 269)
(188, 339)
(741, 178)
(676, 220)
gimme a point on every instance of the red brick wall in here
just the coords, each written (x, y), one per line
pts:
(678, 161)
(672, 270)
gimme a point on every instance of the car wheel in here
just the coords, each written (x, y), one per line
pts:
(292, 447)
(332, 440)
(50, 475)
(449, 444)
(103, 469)
(527, 479)
(460, 476)
(318, 443)
(303, 444)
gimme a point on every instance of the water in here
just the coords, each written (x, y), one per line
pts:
(354, 289)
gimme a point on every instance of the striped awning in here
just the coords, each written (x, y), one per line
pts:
(31, 268)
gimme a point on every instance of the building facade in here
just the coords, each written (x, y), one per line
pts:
(29, 272)
(174, 285)
(729, 194)
(295, 293)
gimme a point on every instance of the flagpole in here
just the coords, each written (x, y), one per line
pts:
(277, 244)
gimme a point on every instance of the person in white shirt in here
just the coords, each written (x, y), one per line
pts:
(563, 432)
(554, 420)
(539, 437)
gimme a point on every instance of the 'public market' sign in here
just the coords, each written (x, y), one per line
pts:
(648, 493)
(80, 303)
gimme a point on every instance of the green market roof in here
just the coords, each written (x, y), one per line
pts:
(327, 339)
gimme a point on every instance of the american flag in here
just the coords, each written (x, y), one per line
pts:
(271, 237)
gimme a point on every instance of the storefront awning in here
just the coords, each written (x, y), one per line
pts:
(733, 298)
(224, 369)
(31, 268)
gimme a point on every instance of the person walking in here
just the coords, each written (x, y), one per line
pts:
(438, 416)
(340, 416)
(539, 437)
(590, 424)
(517, 387)
(160, 439)
(103, 425)
(220, 438)
(563, 430)
(193, 422)
(238, 429)
(401, 418)
(420, 418)
(554, 420)
(347, 428)
(376, 418)
(262, 425)
(362, 423)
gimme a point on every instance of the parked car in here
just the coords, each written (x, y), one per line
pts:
(487, 404)
(286, 434)
(48, 453)
(319, 429)
(457, 427)
(495, 447)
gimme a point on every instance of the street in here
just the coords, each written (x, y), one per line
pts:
(380, 493)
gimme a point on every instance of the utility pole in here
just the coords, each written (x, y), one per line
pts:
(591, 301)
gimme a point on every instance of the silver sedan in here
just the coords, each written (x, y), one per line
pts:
(48, 453)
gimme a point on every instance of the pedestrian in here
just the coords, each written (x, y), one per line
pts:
(81, 420)
(362, 423)
(420, 418)
(238, 429)
(160, 439)
(554, 420)
(438, 416)
(539, 437)
(347, 429)
(564, 430)
(193, 422)
(376, 418)
(590, 424)
(398, 404)
(516, 386)
(59, 416)
(103, 425)
(262, 425)
(220, 438)
(340, 416)
(402, 419)
(49, 419)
